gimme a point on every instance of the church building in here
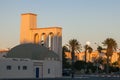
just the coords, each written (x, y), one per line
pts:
(39, 54)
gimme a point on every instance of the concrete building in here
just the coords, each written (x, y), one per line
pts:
(15, 68)
(30, 61)
(51, 37)
(3, 52)
(39, 54)
(91, 57)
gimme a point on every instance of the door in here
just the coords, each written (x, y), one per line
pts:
(37, 72)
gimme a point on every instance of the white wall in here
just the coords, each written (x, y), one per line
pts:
(2, 54)
(53, 66)
(15, 72)
(38, 64)
(55, 69)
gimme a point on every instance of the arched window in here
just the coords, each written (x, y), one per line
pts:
(50, 41)
(43, 39)
(36, 38)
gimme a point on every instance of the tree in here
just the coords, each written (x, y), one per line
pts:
(65, 64)
(99, 49)
(79, 65)
(74, 46)
(111, 47)
(90, 51)
(86, 47)
(119, 60)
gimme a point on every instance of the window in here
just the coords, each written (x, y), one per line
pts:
(24, 67)
(18, 67)
(8, 67)
(49, 71)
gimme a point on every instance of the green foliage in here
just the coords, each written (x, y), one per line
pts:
(79, 65)
(111, 46)
(90, 49)
(65, 64)
(74, 45)
(99, 48)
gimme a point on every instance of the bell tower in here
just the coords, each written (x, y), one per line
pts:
(50, 37)
(28, 22)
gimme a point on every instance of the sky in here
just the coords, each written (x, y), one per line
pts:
(84, 20)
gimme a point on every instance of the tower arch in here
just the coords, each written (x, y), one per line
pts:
(43, 39)
(51, 40)
(36, 38)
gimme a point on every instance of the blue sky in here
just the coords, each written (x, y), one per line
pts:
(84, 20)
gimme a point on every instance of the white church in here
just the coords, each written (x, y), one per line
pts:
(39, 54)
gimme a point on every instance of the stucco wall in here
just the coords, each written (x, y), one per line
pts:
(54, 67)
(14, 72)
(47, 68)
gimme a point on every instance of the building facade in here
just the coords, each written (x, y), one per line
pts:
(27, 68)
(91, 57)
(39, 54)
(51, 37)
(3, 52)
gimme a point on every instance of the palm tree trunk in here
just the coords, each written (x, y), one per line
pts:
(85, 56)
(89, 57)
(107, 67)
(72, 53)
(85, 65)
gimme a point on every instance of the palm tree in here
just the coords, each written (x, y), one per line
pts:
(86, 48)
(99, 49)
(88, 64)
(90, 49)
(74, 46)
(119, 61)
(111, 47)
(85, 65)
(65, 64)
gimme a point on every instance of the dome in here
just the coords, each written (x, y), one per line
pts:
(31, 51)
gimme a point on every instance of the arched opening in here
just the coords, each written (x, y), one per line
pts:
(50, 41)
(36, 38)
(43, 39)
